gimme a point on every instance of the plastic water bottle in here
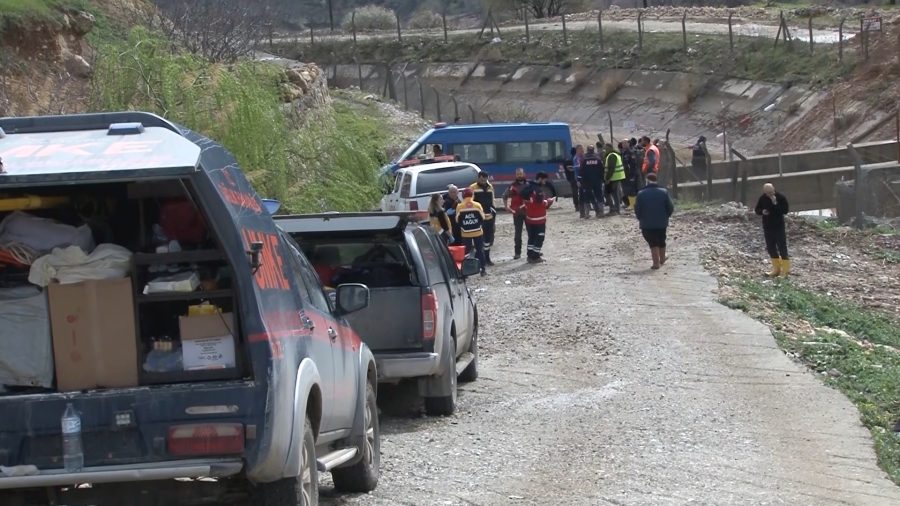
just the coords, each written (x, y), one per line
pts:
(73, 453)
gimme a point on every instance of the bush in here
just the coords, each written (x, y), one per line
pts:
(370, 17)
(425, 19)
(330, 161)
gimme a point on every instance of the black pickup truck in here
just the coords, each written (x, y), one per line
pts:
(422, 321)
(285, 388)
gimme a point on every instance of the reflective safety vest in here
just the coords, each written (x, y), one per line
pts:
(655, 168)
(619, 173)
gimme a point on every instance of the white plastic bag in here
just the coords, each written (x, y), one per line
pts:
(71, 265)
(27, 357)
(42, 234)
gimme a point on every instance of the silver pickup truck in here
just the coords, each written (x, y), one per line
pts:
(422, 321)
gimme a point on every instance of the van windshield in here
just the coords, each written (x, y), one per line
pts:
(433, 181)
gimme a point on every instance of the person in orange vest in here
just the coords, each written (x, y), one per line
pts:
(651, 158)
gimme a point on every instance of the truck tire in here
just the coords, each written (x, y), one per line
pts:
(362, 477)
(445, 406)
(301, 490)
(470, 373)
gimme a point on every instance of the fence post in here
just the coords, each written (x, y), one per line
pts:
(489, 118)
(640, 22)
(405, 92)
(312, 38)
(331, 14)
(444, 21)
(810, 35)
(359, 72)
(897, 126)
(708, 162)
(527, 31)
(600, 27)
(683, 29)
(421, 98)
(834, 121)
(565, 32)
(455, 107)
(472, 112)
(271, 38)
(742, 165)
(841, 41)
(353, 27)
(399, 35)
(437, 98)
(857, 183)
(730, 33)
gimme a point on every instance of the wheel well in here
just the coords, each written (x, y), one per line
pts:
(314, 409)
(453, 333)
(371, 377)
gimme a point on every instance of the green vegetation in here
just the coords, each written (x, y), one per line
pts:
(328, 159)
(753, 57)
(855, 349)
(41, 9)
(369, 17)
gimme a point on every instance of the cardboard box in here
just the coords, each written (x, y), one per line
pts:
(207, 341)
(94, 341)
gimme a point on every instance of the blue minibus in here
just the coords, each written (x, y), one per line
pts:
(499, 149)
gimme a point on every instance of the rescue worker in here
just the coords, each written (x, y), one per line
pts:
(451, 200)
(615, 174)
(471, 219)
(535, 206)
(439, 219)
(576, 162)
(592, 183)
(639, 154)
(651, 158)
(773, 207)
(629, 186)
(570, 175)
(483, 192)
(698, 158)
(512, 201)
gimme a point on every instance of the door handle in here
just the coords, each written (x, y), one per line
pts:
(311, 325)
(332, 334)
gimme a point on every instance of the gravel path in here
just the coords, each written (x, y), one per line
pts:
(605, 383)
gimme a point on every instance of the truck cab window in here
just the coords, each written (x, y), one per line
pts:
(315, 291)
(432, 263)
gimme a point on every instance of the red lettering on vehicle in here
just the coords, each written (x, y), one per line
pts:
(239, 199)
(75, 150)
(270, 275)
(130, 147)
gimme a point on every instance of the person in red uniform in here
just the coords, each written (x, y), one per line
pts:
(535, 205)
(512, 201)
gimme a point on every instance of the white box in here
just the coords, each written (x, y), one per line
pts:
(208, 353)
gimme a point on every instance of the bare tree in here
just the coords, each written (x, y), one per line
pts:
(539, 8)
(218, 30)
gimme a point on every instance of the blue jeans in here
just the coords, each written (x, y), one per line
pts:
(476, 243)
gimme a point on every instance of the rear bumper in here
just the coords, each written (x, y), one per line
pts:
(406, 365)
(128, 473)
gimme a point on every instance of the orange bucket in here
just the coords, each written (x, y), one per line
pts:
(458, 253)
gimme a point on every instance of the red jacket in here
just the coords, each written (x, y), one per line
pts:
(535, 204)
(514, 194)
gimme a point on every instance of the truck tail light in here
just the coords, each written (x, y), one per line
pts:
(429, 315)
(206, 439)
(413, 205)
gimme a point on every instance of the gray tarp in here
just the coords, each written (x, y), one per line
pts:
(26, 348)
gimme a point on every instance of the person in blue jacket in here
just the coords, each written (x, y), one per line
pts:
(652, 208)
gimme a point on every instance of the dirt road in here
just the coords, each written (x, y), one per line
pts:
(603, 382)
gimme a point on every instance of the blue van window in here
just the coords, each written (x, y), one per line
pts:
(475, 153)
(526, 151)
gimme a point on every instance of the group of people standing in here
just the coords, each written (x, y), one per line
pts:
(469, 221)
(607, 175)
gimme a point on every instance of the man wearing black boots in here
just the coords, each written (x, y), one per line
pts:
(484, 194)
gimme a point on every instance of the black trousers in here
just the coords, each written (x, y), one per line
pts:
(593, 194)
(655, 237)
(776, 243)
(488, 228)
(519, 224)
(476, 244)
(574, 185)
(535, 239)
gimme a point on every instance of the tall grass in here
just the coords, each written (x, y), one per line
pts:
(319, 161)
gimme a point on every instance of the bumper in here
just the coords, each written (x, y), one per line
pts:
(128, 473)
(406, 365)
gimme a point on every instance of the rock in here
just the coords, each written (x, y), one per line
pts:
(834, 373)
(82, 23)
(76, 65)
(291, 92)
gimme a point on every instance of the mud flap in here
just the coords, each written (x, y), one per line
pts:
(440, 385)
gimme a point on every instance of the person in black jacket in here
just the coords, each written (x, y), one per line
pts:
(570, 176)
(451, 200)
(591, 173)
(484, 195)
(773, 206)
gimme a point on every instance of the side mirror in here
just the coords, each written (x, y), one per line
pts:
(470, 267)
(351, 298)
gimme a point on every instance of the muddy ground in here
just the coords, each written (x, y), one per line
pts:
(603, 382)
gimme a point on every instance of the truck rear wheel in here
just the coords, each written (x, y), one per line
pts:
(362, 477)
(445, 406)
(302, 490)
